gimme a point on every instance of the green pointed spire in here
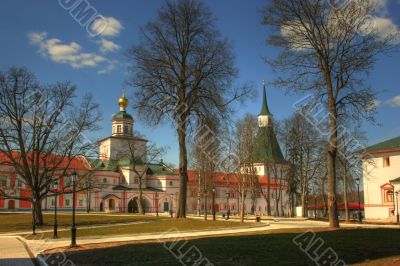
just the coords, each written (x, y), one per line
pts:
(264, 107)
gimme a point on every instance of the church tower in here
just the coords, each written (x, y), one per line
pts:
(267, 146)
(122, 141)
(265, 117)
(122, 122)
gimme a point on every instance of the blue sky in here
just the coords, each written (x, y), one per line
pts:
(44, 37)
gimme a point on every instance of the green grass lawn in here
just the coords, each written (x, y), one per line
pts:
(14, 222)
(353, 246)
(151, 226)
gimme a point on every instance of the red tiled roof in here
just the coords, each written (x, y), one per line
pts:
(221, 177)
(77, 163)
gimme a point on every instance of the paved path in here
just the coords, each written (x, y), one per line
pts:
(39, 245)
(14, 252)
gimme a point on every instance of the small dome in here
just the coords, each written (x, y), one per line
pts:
(123, 101)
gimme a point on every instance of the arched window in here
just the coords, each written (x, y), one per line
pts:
(119, 129)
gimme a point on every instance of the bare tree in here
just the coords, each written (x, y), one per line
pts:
(328, 51)
(246, 133)
(303, 148)
(349, 141)
(183, 71)
(42, 131)
(205, 154)
(89, 183)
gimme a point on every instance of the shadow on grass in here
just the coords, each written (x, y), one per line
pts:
(351, 245)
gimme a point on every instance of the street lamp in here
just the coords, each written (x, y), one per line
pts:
(359, 200)
(397, 206)
(55, 187)
(73, 228)
(228, 210)
(156, 203)
(213, 203)
(171, 212)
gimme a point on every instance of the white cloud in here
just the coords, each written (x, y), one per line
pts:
(108, 46)
(64, 53)
(107, 27)
(383, 28)
(111, 65)
(395, 101)
(68, 53)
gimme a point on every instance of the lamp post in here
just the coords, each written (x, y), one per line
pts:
(157, 203)
(397, 206)
(171, 212)
(55, 187)
(213, 203)
(228, 209)
(359, 200)
(73, 228)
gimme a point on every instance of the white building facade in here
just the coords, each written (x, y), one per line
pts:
(381, 179)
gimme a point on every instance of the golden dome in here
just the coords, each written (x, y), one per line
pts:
(123, 101)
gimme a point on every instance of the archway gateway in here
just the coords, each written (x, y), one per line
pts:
(133, 206)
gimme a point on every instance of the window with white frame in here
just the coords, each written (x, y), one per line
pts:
(67, 202)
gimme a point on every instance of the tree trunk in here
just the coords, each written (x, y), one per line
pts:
(331, 162)
(199, 196)
(242, 199)
(292, 205)
(346, 202)
(88, 197)
(181, 212)
(38, 212)
(268, 191)
(303, 204)
(140, 198)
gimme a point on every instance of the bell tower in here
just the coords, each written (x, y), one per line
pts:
(122, 122)
(265, 117)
